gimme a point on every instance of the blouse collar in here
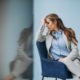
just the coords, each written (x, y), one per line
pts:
(59, 32)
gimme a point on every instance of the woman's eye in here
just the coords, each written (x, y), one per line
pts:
(47, 22)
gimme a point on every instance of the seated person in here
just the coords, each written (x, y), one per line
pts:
(61, 43)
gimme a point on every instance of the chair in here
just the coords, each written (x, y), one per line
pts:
(51, 68)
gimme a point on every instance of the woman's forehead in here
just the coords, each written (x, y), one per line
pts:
(48, 20)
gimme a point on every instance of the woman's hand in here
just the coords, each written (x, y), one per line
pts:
(43, 22)
(61, 59)
(9, 77)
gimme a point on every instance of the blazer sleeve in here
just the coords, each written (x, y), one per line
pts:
(41, 36)
(74, 52)
(22, 62)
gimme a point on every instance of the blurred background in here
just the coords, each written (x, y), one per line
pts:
(15, 15)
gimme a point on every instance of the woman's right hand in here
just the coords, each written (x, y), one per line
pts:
(42, 22)
(9, 77)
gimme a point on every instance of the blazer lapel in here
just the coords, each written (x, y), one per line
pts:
(48, 41)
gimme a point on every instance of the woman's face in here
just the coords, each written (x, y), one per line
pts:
(51, 25)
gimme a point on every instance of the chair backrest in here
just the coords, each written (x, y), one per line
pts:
(42, 49)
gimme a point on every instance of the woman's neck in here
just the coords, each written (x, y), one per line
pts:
(56, 29)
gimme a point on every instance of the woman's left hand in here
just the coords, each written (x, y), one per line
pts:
(61, 59)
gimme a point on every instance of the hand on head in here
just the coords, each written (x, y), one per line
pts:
(43, 22)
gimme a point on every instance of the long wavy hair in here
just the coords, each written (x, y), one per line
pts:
(69, 32)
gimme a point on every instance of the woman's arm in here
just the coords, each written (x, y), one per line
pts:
(42, 34)
(74, 52)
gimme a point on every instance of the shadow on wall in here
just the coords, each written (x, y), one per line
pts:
(22, 65)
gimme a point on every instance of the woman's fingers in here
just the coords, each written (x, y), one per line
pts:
(62, 59)
(43, 22)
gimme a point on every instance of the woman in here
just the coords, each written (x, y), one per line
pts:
(21, 66)
(61, 43)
